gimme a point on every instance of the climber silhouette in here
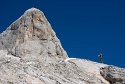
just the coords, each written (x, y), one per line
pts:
(100, 57)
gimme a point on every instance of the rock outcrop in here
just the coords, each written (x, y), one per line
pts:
(30, 53)
(113, 74)
(31, 34)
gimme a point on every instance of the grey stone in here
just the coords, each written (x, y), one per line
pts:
(113, 74)
(31, 53)
(31, 34)
(33, 69)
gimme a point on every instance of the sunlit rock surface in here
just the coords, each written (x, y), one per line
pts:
(30, 53)
(31, 34)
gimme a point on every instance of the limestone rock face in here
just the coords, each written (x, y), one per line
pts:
(30, 53)
(31, 34)
(45, 70)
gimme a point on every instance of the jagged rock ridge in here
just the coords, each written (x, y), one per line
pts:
(30, 53)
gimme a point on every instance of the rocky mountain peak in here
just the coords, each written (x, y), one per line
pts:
(31, 53)
(31, 34)
(32, 9)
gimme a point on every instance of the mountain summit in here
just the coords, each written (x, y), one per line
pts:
(31, 34)
(31, 53)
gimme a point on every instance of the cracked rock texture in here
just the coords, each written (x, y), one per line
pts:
(48, 70)
(113, 74)
(31, 53)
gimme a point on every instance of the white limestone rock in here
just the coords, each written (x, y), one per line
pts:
(30, 53)
(45, 70)
(31, 34)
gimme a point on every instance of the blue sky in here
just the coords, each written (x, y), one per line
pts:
(86, 28)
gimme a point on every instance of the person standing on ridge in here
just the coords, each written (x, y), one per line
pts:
(100, 57)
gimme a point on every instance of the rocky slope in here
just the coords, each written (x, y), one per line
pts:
(31, 53)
